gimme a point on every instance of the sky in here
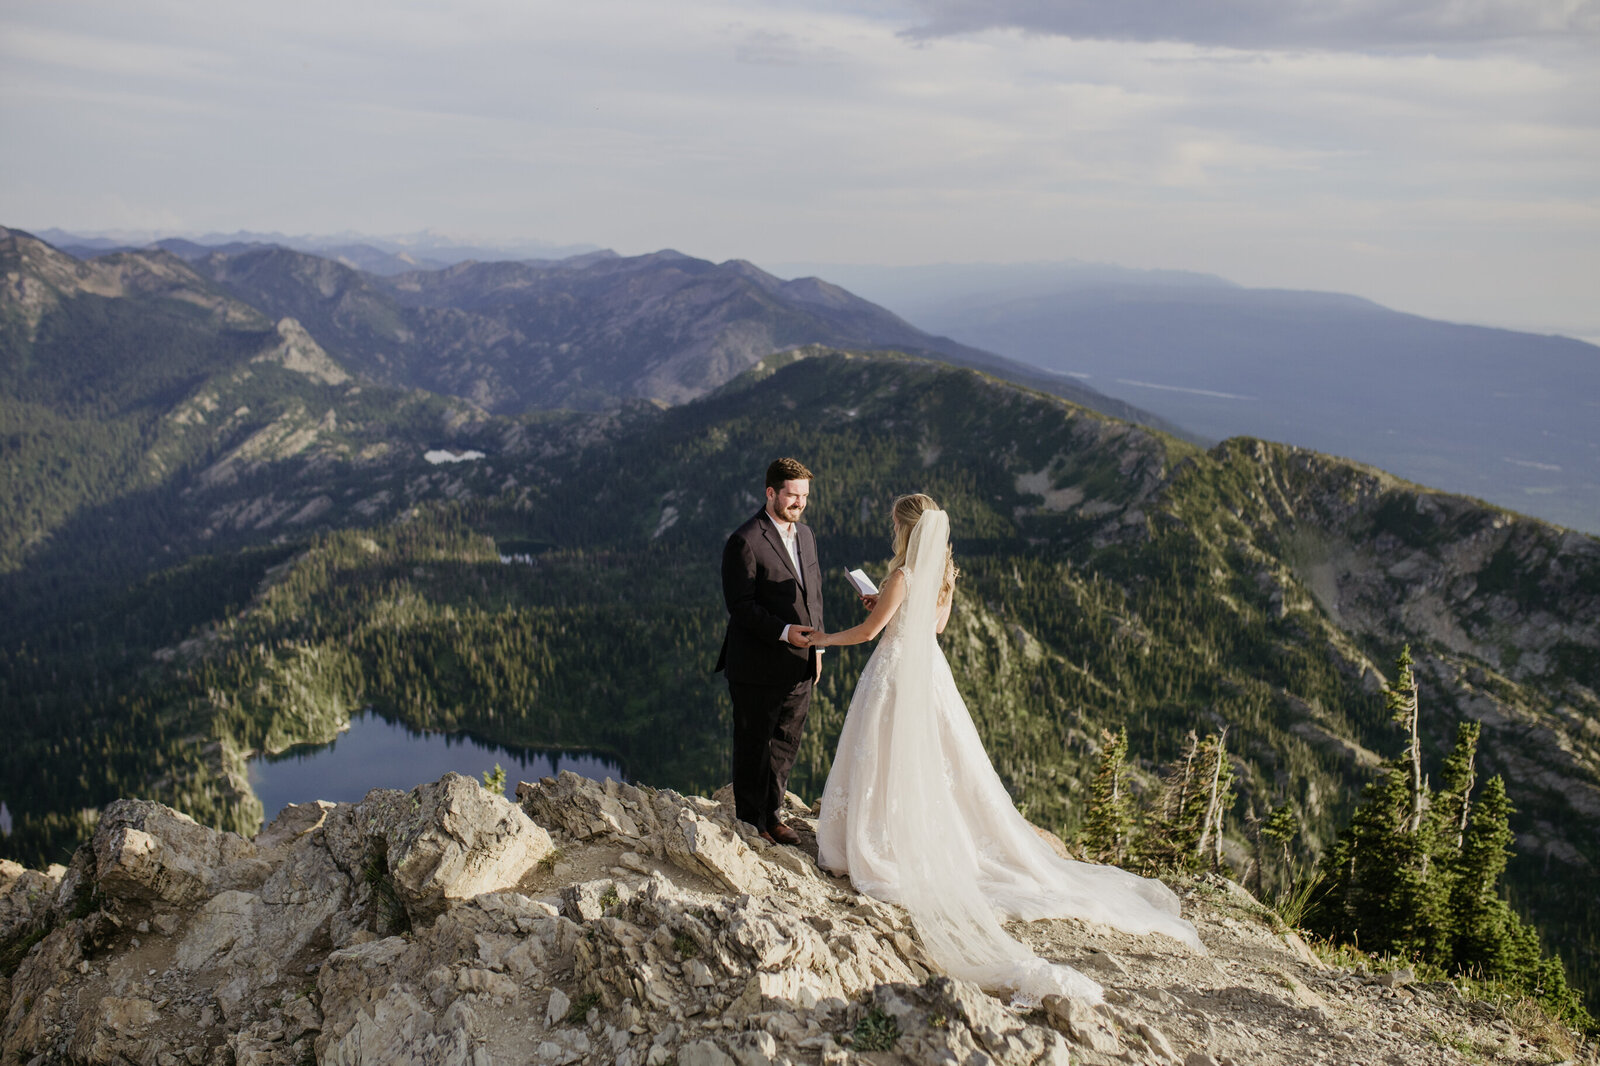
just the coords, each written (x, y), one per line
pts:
(1439, 156)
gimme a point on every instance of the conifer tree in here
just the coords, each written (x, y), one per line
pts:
(1168, 838)
(1401, 700)
(1451, 807)
(1281, 827)
(1107, 824)
(1418, 873)
(1485, 929)
(1380, 894)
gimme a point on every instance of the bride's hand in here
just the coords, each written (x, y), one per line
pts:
(819, 639)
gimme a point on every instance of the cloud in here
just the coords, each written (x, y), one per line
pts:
(1340, 25)
(778, 48)
(1447, 181)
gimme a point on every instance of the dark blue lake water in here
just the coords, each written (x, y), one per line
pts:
(375, 753)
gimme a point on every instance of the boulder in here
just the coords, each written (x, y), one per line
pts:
(695, 841)
(449, 840)
(147, 853)
(25, 898)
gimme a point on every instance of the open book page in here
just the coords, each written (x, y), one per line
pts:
(863, 584)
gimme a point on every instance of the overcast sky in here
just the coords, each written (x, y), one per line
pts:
(1441, 157)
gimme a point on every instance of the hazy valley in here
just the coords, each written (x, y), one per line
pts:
(1506, 416)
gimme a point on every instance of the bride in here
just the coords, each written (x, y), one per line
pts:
(914, 812)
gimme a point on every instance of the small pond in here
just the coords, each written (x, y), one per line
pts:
(374, 753)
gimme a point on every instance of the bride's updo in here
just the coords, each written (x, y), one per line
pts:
(906, 511)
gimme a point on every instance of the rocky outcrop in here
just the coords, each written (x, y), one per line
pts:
(607, 923)
(1502, 614)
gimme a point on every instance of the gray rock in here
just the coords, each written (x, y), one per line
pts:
(486, 983)
(114, 1030)
(753, 1048)
(704, 1053)
(555, 1010)
(684, 958)
(1158, 1041)
(147, 853)
(25, 897)
(1396, 978)
(1085, 1025)
(589, 900)
(719, 851)
(450, 840)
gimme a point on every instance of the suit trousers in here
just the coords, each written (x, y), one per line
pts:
(767, 723)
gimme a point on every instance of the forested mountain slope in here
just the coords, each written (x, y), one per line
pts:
(568, 596)
(218, 540)
(146, 413)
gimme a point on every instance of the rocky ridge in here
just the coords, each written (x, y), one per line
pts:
(608, 923)
(37, 278)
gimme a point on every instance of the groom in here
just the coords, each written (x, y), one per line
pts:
(773, 587)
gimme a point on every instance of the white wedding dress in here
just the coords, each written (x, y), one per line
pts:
(914, 812)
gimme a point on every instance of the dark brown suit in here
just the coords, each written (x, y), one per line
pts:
(769, 679)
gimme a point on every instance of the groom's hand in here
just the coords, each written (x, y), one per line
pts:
(800, 636)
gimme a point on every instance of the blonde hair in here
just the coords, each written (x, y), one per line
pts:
(906, 510)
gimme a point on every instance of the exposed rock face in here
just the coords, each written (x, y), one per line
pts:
(1502, 614)
(153, 855)
(601, 924)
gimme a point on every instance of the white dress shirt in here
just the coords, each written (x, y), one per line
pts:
(790, 537)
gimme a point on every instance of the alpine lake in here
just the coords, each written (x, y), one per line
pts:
(377, 753)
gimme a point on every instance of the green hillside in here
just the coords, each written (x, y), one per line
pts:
(218, 542)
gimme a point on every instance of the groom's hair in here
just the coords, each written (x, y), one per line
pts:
(786, 469)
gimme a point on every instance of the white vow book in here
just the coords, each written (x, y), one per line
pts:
(863, 584)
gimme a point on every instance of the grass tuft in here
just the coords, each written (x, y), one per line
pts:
(582, 1006)
(876, 1031)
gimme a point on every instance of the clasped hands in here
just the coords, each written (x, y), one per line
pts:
(810, 637)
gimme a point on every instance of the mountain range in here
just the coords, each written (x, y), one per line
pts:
(1507, 416)
(223, 533)
(425, 250)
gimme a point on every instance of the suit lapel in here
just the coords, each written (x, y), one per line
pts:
(805, 549)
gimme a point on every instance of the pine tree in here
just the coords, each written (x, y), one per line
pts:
(1451, 807)
(1372, 872)
(1484, 926)
(1109, 818)
(1401, 700)
(1380, 892)
(1419, 873)
(1281, 827)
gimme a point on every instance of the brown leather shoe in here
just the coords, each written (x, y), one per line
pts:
(779, 833)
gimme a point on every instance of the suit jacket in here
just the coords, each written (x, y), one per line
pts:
(763, 595)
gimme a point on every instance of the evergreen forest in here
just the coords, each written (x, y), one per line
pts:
(217, 543)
